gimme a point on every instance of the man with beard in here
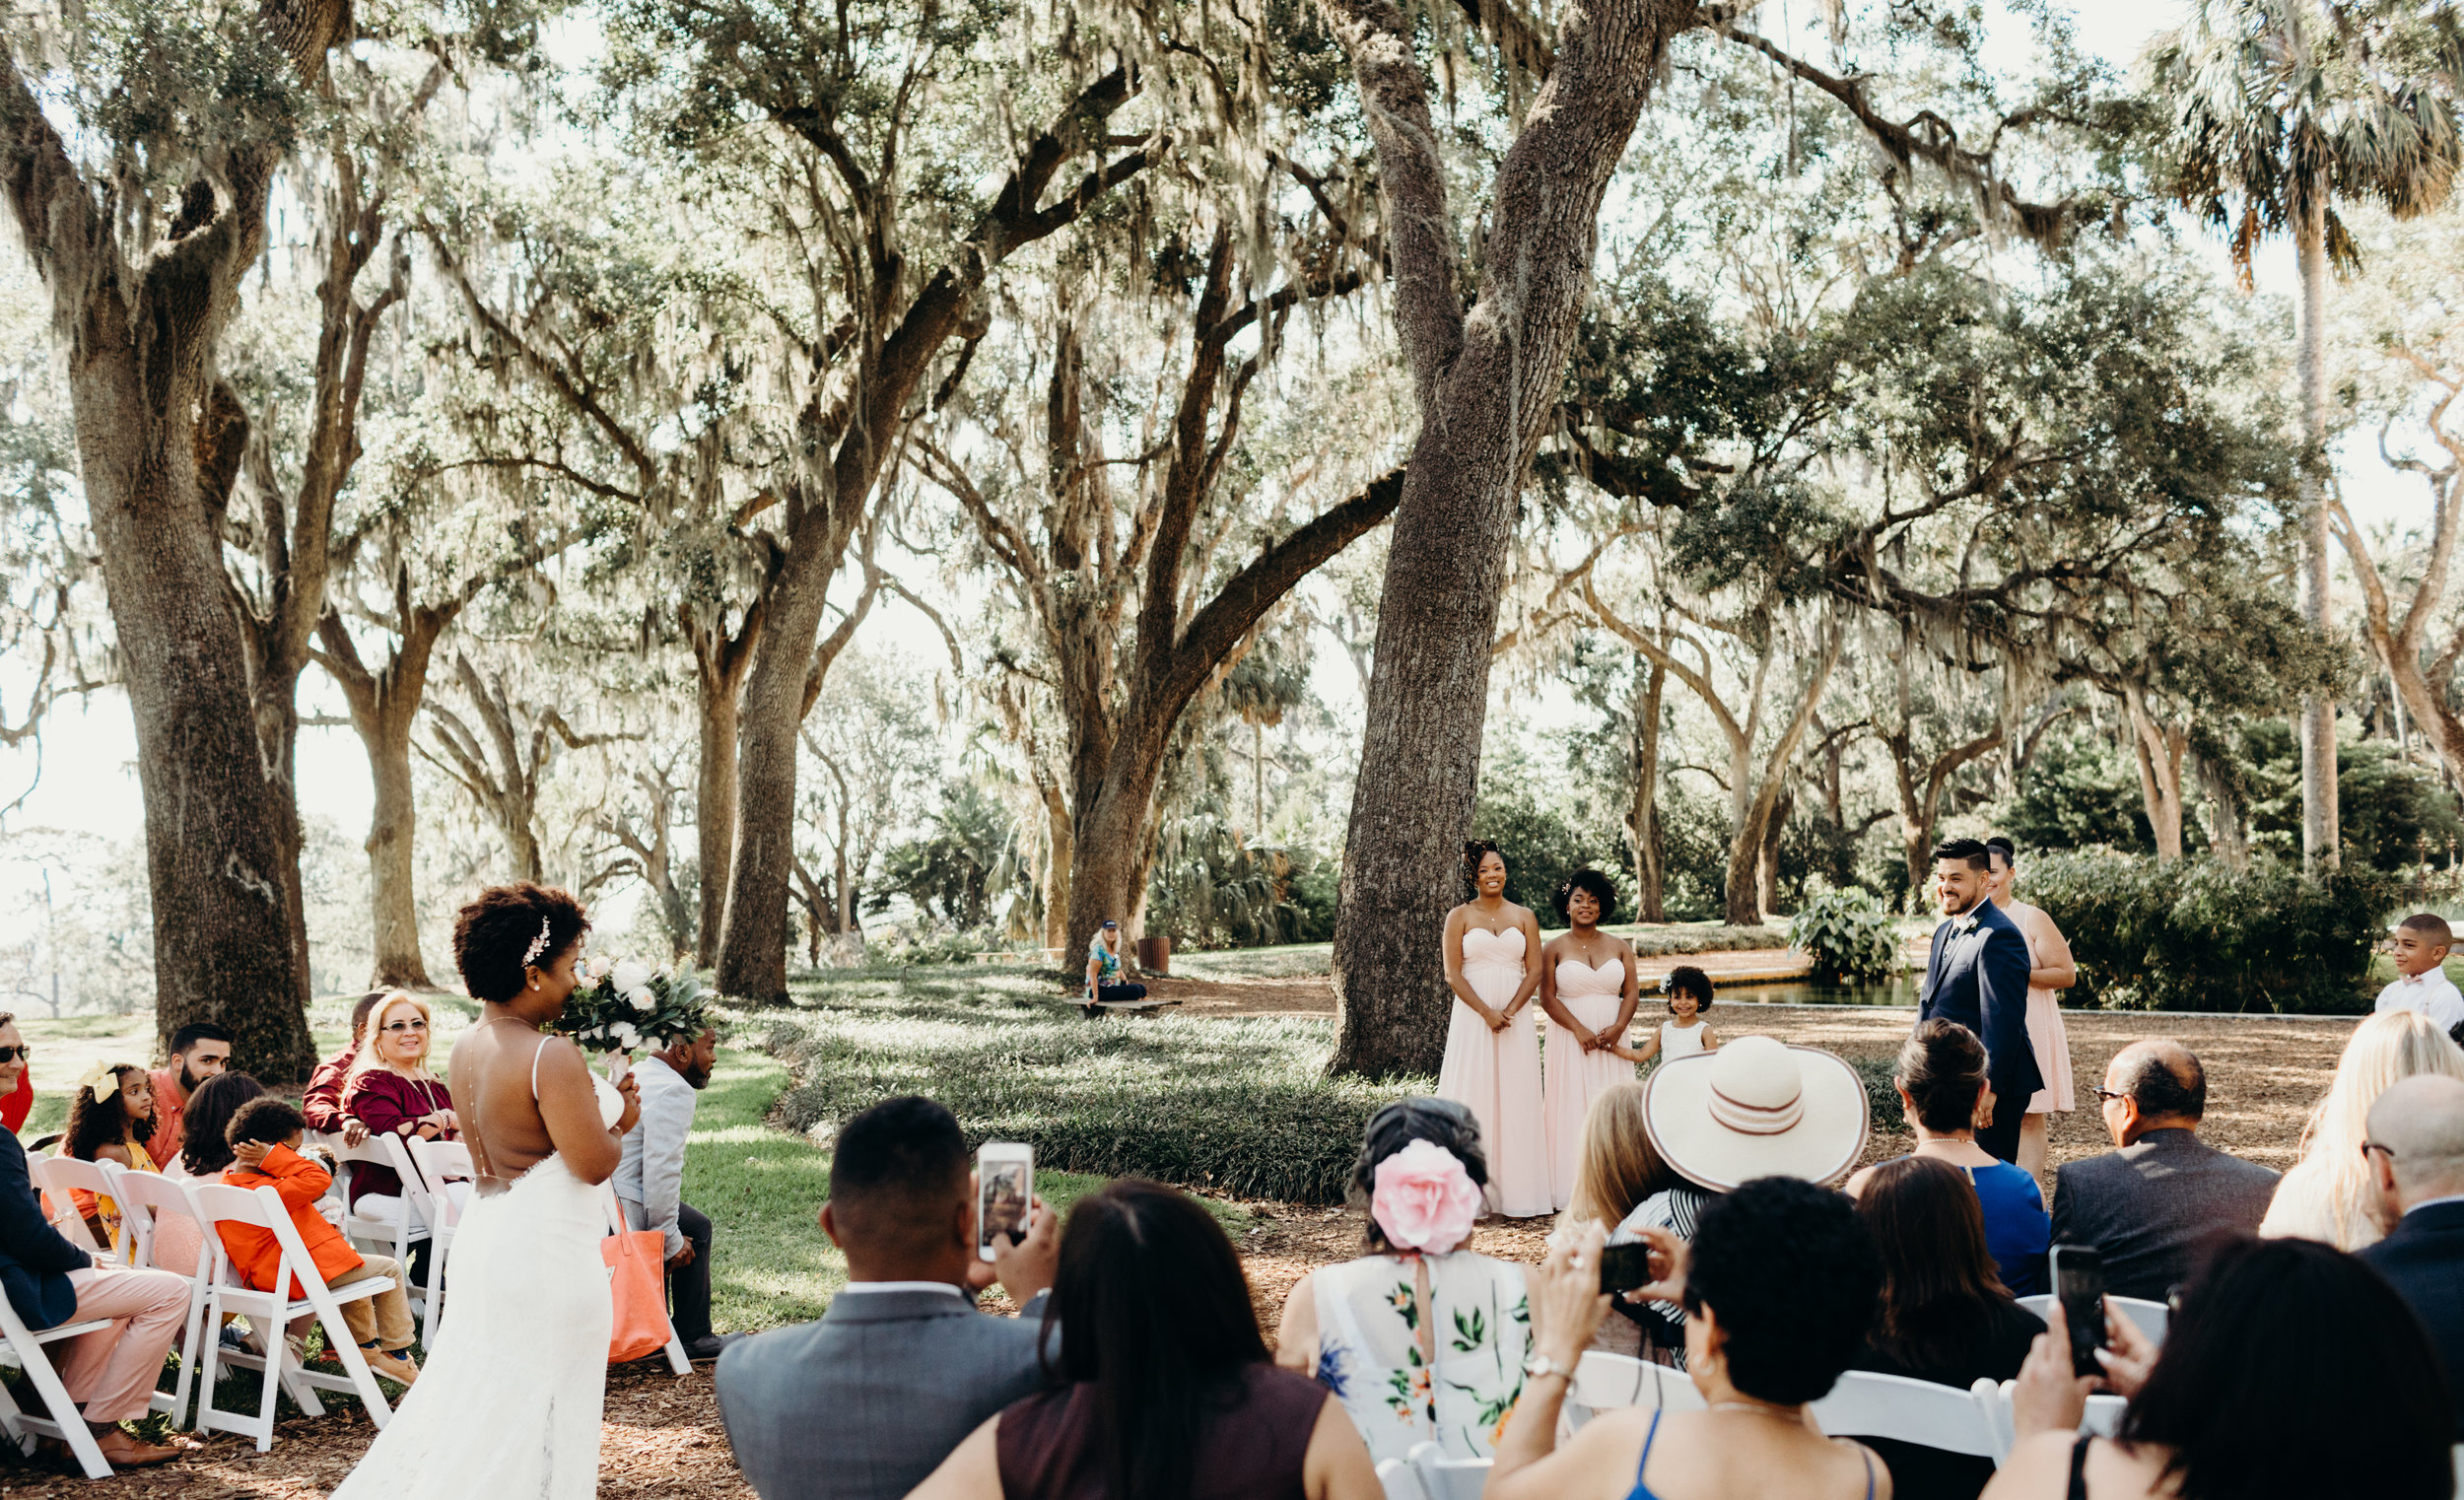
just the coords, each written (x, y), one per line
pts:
(650, 1181)
(199, 1051)
(1977, 976)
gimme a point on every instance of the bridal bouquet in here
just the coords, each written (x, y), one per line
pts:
(624, 1006)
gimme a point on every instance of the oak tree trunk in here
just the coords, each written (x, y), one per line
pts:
(1642, 823)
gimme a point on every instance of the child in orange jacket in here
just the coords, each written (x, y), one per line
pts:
(265, 1136)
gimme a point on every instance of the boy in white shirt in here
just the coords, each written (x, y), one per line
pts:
(2418, 945)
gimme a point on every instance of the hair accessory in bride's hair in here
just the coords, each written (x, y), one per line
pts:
(538, 945)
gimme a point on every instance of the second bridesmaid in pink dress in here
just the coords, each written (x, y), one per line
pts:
(1492, 1059)
(1588, 990)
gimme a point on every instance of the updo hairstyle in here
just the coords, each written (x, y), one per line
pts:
(1942, 1065)
(493, 932)
(1474, 852)
(1441, 1121)
(1591, 880)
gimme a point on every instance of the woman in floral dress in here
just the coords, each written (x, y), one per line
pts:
(1421, 1340)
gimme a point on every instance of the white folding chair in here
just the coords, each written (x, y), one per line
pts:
(2149, 1318)
(1394, 1476)
(59, 1176)
(438, 1163)
(1864, 1404)
(146, 1198)
(2102, 1416)
(1605, 1382)
(678, 1359)
(66, 1423)
(272, 1312)
(1445, 1478)
(387, 1236)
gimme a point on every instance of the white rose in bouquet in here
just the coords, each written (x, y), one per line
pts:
(628, 1039)
(598, 967)
(632, 979)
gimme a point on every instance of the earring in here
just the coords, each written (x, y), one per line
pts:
(535, 984)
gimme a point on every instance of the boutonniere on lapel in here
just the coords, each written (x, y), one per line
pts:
(1963, 925)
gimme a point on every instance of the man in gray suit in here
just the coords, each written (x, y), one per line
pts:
(2148, 1205)
(863, 1403)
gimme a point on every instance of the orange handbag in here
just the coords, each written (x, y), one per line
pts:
(637, 1280)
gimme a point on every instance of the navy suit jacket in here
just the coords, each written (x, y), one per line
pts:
(2424, 1260)
(35, 1260)
(1979, 979)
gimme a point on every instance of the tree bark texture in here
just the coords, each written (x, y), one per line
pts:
(140, 339)
(2158, 748)
(1642, 820)
(385, 706)
(1487, 387)
(2321, 832)
(2401, 640)
(719, 660)
(898, 338)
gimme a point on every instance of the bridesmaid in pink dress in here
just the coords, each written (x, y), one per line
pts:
(2050, 970)
(1492, 1050)
(1588, 990)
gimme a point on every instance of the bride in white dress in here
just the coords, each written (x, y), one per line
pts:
(508, 1405)
(1492, 1050)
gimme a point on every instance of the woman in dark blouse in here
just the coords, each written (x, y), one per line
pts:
(1945, 1316)
(392, 1093)
(1161, 1388)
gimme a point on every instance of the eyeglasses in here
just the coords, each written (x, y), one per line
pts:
(15, 1055)
(407, 1026)
(2367, 1146)
(2107, 1093)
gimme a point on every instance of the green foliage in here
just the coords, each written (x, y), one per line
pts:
(1851, 939)
(2079, 791)
(1211, 889)
(950, 872)
(1241, 1107)
(2193, 935)
(2392, 814)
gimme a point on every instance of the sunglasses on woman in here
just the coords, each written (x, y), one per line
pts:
(407, 1026)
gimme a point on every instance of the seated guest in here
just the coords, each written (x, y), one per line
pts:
(1418, 1306)
(199, 1051)
(321, 1106)
(1779, 1288)
(1943, 1091)
(2417, 1160)
(1946, 1316)
(2331, 1193)
(392, 1092)
(2146, 1204)
(110, 1118)
(649, 1182)
(1161, 1388)
(203, 1156)
(863, 1404)
(1618, 1173)
(48, 1282)
(2290, 1372)
(1104, 984)
(265, 1138)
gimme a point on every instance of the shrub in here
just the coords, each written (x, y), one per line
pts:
(1851, 939)
(2194, 935)
(1231, 1105)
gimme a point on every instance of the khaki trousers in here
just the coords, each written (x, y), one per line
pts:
(383, 1320)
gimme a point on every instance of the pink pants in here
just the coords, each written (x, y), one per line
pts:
(112, 1370)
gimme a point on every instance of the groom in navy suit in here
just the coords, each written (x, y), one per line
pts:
(1977, 976)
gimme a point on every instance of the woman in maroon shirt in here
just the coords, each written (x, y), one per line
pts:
(392, 1093)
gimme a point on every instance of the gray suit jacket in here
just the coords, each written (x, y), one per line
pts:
(866, 1401)
(2148, 1205)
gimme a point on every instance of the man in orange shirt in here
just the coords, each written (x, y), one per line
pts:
(199, 1051)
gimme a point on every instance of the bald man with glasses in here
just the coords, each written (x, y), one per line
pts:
(2415, 1152)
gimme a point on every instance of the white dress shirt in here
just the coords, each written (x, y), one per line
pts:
(2431, 993)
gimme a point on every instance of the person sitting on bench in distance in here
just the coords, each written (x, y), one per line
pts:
(1104, 985)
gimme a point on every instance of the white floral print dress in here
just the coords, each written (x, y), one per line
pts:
(1370, 1349)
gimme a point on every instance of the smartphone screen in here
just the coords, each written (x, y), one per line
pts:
(1005, 1187)
(2079, 1285)
(1623, 1268)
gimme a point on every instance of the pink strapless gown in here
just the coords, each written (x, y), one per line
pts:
(1497, 1074)
(1575, 1076)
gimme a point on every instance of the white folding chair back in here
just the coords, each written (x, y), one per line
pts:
(614, 1212)
(2102, 1417)
(66, 1423)
(1394, 1476)
(2149, 1318)
(1864, 1404)
(59, 1176)
(147, 1200)
(437, 1162)
(1445, 1478)
(395, 1236)
(2459, 1469)
(1605, 1382)
(271, 1313)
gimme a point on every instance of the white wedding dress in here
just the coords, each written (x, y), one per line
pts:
(508, 1405)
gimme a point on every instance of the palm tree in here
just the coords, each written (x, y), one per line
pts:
(2281, 108)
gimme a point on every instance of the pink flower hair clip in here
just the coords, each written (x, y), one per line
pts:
(1424, 1200)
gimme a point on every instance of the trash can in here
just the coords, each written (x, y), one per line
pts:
(1155, 955)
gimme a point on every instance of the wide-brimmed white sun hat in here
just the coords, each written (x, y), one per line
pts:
(1755, 1108)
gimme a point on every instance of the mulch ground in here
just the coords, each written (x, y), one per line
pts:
(662, 1436)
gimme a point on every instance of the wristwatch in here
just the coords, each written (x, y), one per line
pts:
(1538, 1364)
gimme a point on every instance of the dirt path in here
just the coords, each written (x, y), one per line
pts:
(662, 1437)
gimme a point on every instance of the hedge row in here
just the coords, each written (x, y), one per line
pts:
(2195, 935)
(1241, 1107)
